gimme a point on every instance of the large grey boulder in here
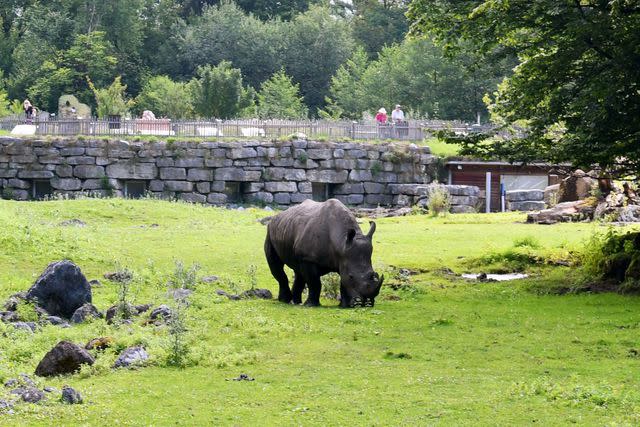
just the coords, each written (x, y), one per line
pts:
(65, 358)
(61, 289)
(577, 186)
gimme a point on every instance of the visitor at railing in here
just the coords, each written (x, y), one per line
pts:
(29, 111)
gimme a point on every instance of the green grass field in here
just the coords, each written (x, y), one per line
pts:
(440, 350)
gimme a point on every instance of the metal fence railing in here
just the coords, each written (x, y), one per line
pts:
(410, 130)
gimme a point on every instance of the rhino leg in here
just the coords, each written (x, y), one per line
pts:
(277, 270)
(298, 287)
(315, 287)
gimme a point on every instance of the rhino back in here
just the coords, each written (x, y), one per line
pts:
(312, 232)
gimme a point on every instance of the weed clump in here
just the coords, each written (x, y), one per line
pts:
(439, 201)
(610, 261)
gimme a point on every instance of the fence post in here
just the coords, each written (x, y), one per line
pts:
(353, 129)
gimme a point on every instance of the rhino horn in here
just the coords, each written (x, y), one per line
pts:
(372, 229)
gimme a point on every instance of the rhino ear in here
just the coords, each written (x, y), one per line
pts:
(351, 233)
(371, 230)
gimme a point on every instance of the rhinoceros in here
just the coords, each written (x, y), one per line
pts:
(316, 238)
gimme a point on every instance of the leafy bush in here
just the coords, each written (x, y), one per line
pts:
(331, 286)
(611, 261)
(111, 101)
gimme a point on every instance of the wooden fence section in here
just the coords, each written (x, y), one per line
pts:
(410, 130)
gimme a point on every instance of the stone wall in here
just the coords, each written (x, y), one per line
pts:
(525, 200)
(280, 173)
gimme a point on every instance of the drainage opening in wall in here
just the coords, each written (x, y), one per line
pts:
(135, 189)
(321, 191)
(41, 189)
(234, 191)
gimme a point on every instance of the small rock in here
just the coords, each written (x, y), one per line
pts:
(101, 343)
(119, 276)
(5, 406)
(114, 310)
(55, 320)
(64, 358)
(26, 380)
(84, 313)
(12, 304)
(25, 326)
(49, 389)
(210, 279)
(257, 293)
(10, 316)
(11, 382)
(243, 377)
(71, 396)
(95, 283)
(180, 294)
(32, 395)
(162, 311)
(222, 293)
(142, 308)
(132, 356)
(75, 222)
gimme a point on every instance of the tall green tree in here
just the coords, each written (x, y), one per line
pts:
(165, 98)
(226, 33)
(263, 9)
(90, 56)
(417, 75)
(576, 86)
(378, 24)
(218, 92)
(347, 92)
(111, 100)
(280, 98)
(317, 43)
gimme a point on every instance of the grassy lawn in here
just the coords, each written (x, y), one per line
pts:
(439, 350)
(441, 148)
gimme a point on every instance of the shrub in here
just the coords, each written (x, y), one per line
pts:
(331, 285)
(527, 241)
(184, 278)
(439, 200)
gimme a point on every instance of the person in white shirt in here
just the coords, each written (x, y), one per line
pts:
(397, 115)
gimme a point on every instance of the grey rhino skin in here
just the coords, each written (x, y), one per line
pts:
(314, 239)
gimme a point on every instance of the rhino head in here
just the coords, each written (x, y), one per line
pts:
(359, 284)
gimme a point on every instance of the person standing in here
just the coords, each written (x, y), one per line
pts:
(397, 117)
(381, 121)
(29, 110)
(381, 117)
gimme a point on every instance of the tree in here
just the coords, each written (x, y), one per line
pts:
(575, 88)
(378, 24)
(111, 101)
(316, 44)
(226, 33)
(263, 9)
(347, 91)
(90, 56)
(218, 92)
(166, 98)
(417, 75)
(279, 98)
(5, 104)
